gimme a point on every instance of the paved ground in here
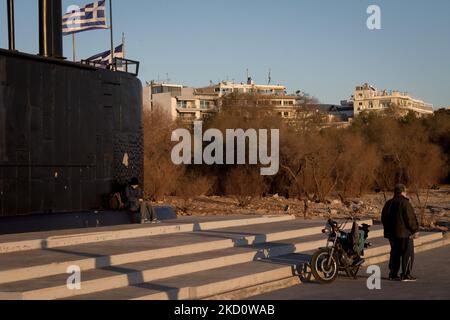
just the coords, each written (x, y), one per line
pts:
(432, 269)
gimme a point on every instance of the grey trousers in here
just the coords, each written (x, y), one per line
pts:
(147, 212)
(402, 255)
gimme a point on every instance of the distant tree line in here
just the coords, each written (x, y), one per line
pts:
(374, 153)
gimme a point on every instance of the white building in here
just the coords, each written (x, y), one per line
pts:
(368, 98)
(227, 87)
(187, 103)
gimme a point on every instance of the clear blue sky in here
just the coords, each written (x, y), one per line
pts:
(319, 46)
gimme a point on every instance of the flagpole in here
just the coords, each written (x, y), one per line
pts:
(74, 48)
(112, 32)
(123, 44)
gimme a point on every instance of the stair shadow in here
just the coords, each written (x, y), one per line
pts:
(238, 238)
(299, 262)
(101, 261)
(77, 253)
(172, 292)
(136, 279)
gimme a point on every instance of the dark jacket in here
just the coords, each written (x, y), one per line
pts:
(133, 196)
(399, 219)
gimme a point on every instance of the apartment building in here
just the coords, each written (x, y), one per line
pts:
(250, 87)
(190, 104)
(180, 102)
(368, 98)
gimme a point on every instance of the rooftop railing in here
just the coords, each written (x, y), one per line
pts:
(119, 64)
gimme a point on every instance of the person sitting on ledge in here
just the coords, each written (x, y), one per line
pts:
(136, 203)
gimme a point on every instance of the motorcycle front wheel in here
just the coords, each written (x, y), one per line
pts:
(324, 267)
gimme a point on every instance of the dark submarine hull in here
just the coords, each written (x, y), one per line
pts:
(69, 134)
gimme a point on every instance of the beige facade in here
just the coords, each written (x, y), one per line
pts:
(190, 104)
(227, 87)
(368, 98)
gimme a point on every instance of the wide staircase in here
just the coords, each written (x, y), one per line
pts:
(190, 258)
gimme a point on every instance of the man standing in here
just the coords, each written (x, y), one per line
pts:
(401, 228)
(136, 203)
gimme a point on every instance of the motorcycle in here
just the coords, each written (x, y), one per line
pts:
(343, 253)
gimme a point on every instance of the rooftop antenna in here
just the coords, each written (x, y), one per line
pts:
(167, 78)
(270, 76)
(248, 75)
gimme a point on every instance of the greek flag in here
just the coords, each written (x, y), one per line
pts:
(105, 57)
(90, 17)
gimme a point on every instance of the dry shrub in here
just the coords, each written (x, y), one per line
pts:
(357, 166)
(245, 184)
(407, 155)
(376, 152)
(243, 112)
(438, 128)
(312, 162)
(193, 185)
(161, 176)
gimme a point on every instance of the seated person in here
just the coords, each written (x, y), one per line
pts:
(136, 203)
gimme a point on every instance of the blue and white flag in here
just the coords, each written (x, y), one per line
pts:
(105, 57)
(90, 17)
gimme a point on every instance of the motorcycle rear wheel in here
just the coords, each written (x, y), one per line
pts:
(320, 269)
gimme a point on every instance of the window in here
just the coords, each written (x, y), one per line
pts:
(276, 103)
(182, 104)
(204, 104)
(187, 116)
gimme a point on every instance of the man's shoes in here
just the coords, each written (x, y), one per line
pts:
(408, 278)
(156, 221)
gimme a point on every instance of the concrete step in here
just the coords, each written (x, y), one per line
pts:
(253, 291)
(421, 245)
(385, 249)
(27, 265)
(203, 284)
(231, 282)
(101, 279)
(49, 240)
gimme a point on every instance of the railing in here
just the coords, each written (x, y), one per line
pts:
(119, 64)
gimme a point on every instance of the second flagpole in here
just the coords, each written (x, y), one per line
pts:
(112, 33)
(74, 48)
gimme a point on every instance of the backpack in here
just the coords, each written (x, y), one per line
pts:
(115, 202)
(357, 239)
